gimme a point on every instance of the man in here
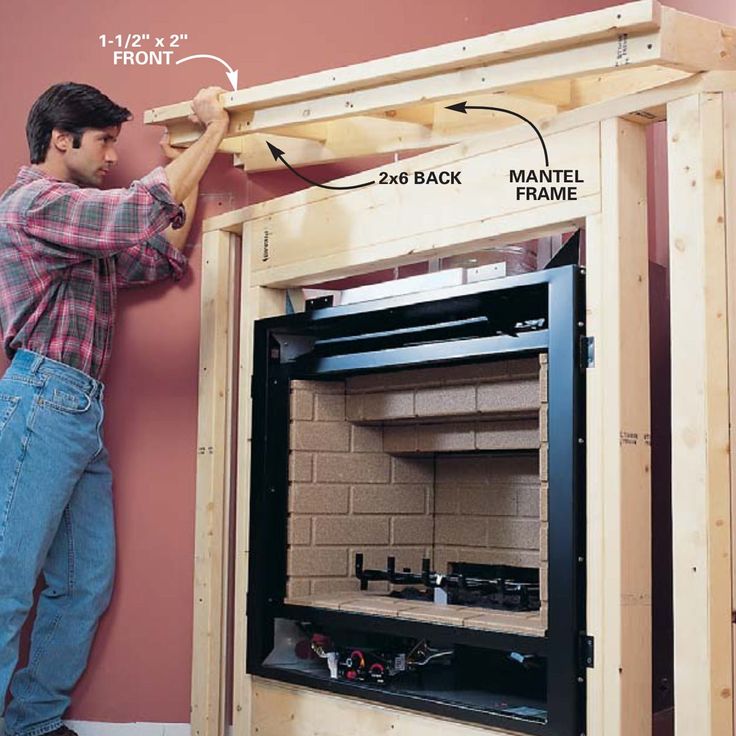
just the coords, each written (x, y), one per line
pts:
(65, 249)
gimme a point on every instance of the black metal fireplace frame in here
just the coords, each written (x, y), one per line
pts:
(464, 324)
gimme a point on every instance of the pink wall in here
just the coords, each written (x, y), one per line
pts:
(140, 668)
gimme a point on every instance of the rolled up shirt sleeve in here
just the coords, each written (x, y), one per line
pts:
(101, 223)
(154, 260)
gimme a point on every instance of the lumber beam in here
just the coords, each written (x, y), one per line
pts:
(255, 303)
(600, 87)
(345, 139)
(428, 126)
(365, 135)
(636, 105)
(220, 258)
(729, 143)
(281, 710)
(618, 440)
(556, 93)
(451, 86)
(364, 228)
(420, 114)
(701, 470)
(696, 44)
(306, 131)
(607, 23)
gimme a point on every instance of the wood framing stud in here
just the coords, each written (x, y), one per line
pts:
(255, 303)
(700, 418)
(729, 140)
(218, 299)
(618, 430)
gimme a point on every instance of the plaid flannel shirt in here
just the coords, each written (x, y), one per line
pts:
(64, 252)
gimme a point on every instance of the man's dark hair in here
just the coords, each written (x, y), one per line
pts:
(72, 108)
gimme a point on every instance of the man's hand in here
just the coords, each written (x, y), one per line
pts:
(208, 109)
(187, 167)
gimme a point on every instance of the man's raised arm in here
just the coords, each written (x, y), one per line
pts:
(185, 171)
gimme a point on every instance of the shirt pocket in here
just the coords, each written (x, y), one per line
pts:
(8, 405)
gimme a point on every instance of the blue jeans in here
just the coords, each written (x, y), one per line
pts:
(56, 518)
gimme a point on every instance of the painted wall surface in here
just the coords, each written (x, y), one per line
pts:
(140, 665)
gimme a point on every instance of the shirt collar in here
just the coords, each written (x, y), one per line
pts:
(28, 173)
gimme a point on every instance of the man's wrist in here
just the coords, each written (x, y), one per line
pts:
(219, 124)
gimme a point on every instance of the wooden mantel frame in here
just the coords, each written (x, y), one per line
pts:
(398, 102)
(592, 83)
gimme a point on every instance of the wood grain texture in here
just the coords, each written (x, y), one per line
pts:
(701, 472)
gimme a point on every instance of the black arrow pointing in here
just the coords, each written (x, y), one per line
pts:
(464, 107)
(279, 154)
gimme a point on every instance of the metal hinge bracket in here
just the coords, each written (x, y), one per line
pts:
(587, 352)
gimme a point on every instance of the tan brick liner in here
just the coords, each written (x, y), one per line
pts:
(394, 464)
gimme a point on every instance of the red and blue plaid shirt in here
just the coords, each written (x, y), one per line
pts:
(64, 252)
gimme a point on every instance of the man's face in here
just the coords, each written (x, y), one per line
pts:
(91, 162)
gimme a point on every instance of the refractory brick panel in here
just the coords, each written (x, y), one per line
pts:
(443, 463)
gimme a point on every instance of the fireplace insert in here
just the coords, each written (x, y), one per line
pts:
(417, 521)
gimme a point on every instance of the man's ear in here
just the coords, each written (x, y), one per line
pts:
(61, 140)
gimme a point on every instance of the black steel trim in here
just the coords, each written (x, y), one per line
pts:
(379, 306)
(563, 291)
(438, 353)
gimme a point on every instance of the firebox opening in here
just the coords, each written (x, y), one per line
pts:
(422, 495)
